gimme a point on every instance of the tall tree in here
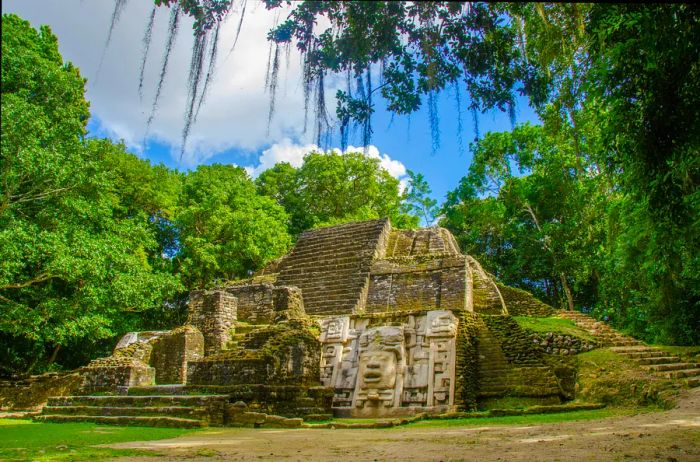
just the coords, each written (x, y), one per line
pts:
(226, 230)
(331, 188)
(73, 266)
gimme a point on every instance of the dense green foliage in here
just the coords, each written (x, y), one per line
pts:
(331, 188)
(608, 209)
(226, 230)
(75, 265)
(603, 213)
(95, 242)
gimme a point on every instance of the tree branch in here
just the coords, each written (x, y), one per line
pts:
(36, 280)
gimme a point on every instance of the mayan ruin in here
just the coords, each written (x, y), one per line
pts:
(358, 320)
(367, 231)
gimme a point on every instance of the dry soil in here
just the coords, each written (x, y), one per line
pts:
(659, 436)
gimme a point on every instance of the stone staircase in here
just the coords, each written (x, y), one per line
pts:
(661, 363)
(653, 360)
(331, 265)
(162, 410)
(486, 297)
(606, 335)
(493, 365)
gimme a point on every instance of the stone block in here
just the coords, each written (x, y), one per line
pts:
(214, 314)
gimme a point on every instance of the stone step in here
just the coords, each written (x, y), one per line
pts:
(350, 257)
(680, 374)
(333, 285)
(157, 390)
(349, 229)
(350, 267)
(634, 349)
(622, 344)
(658, 360)
(199, 413)
(336, 297)
(639, 355)
(136, 401)
(693, 381)
(362, 243)
(153, 421)
(670, 367)
(318, 234)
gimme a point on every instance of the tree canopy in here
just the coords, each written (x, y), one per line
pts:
(332, 188)
(75, 264)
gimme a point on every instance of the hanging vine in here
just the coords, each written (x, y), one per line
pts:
(116, 14)
(147, 36)
(420, 47)
(172, 34)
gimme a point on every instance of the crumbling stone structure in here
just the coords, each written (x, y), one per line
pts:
(358, 320)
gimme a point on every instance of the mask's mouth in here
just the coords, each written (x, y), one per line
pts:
(372, 376)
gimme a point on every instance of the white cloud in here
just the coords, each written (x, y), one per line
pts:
(285, 151)
(235, 115)
(288, 151)
(394, 167)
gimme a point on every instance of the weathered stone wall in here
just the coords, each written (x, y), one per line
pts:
(561, 344)
(510, 363)
(172, 352)
(411, 283)
(485, 297)
(283, 400)
(214, 314)
(284, 353)
(33, 392)
(331, 265)
(228, 371)
(106, 374)
(468, 362)
(523, 303)
(427, 241)
(254, 303)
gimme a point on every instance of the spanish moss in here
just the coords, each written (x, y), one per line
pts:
(272, 85)
(344, 118)
(116, 14)
(511, 113)
(307, 82)
(321, 115)
(367, 122)
(148, 34)
(475, 116)
(172, 34)
(238, 29)
(434, 121)
(193, 81)
(460, 120)
(210, 71)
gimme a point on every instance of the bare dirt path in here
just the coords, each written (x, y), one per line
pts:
(661, 436)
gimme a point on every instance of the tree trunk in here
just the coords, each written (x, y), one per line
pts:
(567, 291)
(54, 354)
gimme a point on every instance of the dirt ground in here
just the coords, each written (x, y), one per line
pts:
(660, 436)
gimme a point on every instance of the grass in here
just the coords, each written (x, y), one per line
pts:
(607, 377)
(27, 440)
(531, 419)
(687, 353)
(555, 325)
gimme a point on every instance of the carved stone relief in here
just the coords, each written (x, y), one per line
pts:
(380, 369)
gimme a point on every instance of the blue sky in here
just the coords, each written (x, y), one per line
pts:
(232, 127)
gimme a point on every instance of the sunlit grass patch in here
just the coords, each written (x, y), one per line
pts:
(553, 324)
(26, 440)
